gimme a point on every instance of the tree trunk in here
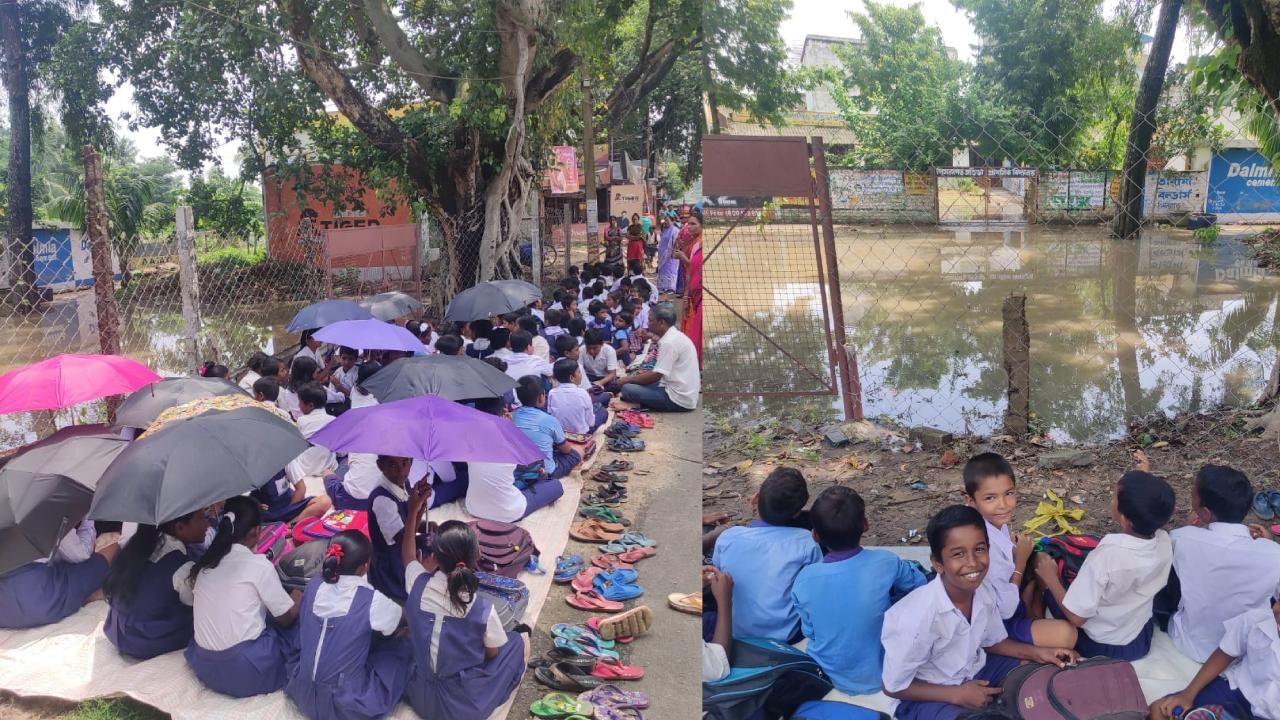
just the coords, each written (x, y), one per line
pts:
(22, 274)
(1128, 219)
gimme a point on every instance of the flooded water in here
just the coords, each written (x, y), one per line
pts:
(1119, 330)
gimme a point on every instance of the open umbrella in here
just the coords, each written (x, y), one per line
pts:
(65, 380)
(46, 490)
(391, 305)
(191, 464)
(453, 377)
(428, 428)
(370, 335)
(491, 298)
(141, 408)
(220, 403)
(326, 312)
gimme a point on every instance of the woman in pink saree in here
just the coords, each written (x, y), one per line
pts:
(691, 259)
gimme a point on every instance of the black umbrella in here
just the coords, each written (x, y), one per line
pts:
(391, 305)
(46, 490)
(453, 377)
(327, 312)
(491, 298)
(141, 408)
(192, 463)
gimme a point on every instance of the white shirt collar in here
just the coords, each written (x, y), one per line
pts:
(1232, 529)
(396, 491)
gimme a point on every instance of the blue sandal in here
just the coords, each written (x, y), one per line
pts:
(618, 584)
(1262, 506)
(568, 566)
(626, 444)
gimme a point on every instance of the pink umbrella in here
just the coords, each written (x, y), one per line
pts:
(65, 380)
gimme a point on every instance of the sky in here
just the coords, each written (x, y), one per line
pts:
(147, 139)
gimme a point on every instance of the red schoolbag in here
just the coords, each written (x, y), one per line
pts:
(505, 548)
(1093, 689)
(1069, 551)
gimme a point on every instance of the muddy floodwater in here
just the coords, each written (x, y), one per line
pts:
(1119, 330)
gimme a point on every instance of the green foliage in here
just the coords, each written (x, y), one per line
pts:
(746, 58)
(230, 208)
(1207, 235)
(230, 258)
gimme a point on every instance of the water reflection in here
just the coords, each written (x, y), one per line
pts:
(1119, 330)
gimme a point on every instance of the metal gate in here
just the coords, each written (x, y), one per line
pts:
(984, 195)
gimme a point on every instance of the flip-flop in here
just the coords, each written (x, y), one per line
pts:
(636, 417)
(580, 632)
(1273, 498)
(613, 696)
(686, 602)
(617, 466)
(615, 670)
(583, 581)
(590, 531)
(585, 649)
(626, 445)
(634, 555)
(593, 622)
(616, 590)
(632, 623)
(593, 602)
(605, 513)
(561, 705)
(568, 566)
(1262, 506)
(611, 501)
(607, 561)
(563, 676)
(605, 476)
(555, 655)
(638, 539)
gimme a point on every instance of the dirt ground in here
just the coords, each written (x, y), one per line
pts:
(904, 483)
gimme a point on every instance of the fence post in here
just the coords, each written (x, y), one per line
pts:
(104, 284)
(848, 383)
(1017, 364)
(568, 235)
(535, 246)
(189, 284)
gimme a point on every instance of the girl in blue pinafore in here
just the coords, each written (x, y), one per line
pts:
(348, 668)
(464, 664)
(388, 510)
(234, 650)
(43, 592)
(148, 591)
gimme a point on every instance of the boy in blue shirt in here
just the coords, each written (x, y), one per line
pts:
(543, 429)
(764, 557)
(842, 600)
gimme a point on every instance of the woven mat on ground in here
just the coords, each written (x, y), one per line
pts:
(1164, 670)
(72, 660)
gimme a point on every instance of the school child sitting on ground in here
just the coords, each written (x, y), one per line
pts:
(600, 361)
(1221, 570)
(492, 493)
(211, 369)
(147, 590)
(254, 365)
(989, 487)
(544, 430)
(266, 390)
(538, 345)
(842, 600)
(567, 347)
(1111, 598)
(43, 592)
(613, 303)
(234, 650)
(764, 558)
(945, 647)
(622, 336)
(1240, 674)
(478, 332)
(349, 486)
(285, 495)
(521, 361)
(570, 404)
(464, 663)
(715, 652)
(349, 666)
(343, 378)
(302, 371)
(640, 311)
(388, 516)
(449, 345)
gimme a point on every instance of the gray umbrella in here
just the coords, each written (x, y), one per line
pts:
(141, 408)
(326, 312)
(491, 298)
(192, 463)
(453, 377)
(391, 305)
(46, 490)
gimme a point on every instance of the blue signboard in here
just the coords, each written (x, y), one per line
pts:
(53, 262)
(1242, 182)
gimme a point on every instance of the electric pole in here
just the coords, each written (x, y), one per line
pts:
(589, 172)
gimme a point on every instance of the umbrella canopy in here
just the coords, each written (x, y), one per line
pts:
(326, 312)
(65, 380)
(219, 403)
(453, 377)
(141, 409)
(188, 465)
(428, 428)
(46, 490)
(370, 335)
(391, 305)
(491, 298)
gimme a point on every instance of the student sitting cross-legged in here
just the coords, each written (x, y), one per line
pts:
(544, 430)
(1112, 595)
(570, 404)
(945, 647)
(47, 590)
(842, 600)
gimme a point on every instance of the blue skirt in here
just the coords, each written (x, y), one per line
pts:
(39, 594)
(365, 697)
(253, 667)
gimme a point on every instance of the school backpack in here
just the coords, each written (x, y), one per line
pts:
(1069, 551)
(1094, 689)
(509, 597)
(274, 541)
(301, 564)
(505, 548)
(326, 527)
(831, 710)
(764, 674)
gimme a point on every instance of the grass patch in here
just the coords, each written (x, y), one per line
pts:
(114, 709)
(232, 257)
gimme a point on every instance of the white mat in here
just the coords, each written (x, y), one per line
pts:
(1163, 671)
(73, 660)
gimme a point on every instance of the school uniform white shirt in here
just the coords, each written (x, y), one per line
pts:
(492, 492)
(521, 364)
(604, 362)
(504, 354)
(343, 380)
(540, 348)
(925, 637)
(571, 405)
(1117, 583)
(248, 379)
(1000, 552)
(435, 600)
(1223, 572)
(389, 520)
(316, 355)
(678, 365)
(315, 460)
(1252, 639)
(333, 600)
(641, 320)
(232, 600)
(287, 401)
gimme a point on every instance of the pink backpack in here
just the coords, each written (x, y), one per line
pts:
(274, 541)
(1094, 689)
(326, 527)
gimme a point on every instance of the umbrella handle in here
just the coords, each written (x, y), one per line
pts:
(62, 531)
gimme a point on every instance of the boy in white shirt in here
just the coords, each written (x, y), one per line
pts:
(1111, 598)
(343, 379)
(945, 647)
(570, 404)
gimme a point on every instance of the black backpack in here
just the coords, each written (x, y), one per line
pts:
(764, 674)
(301, 564)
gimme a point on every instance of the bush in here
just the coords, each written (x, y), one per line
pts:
(229, 258)
(1206, 235)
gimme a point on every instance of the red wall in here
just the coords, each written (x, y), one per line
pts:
(284, 213)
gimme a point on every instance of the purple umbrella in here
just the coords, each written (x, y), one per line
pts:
(428, 428)
(370, 335)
